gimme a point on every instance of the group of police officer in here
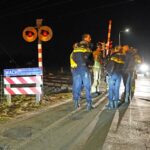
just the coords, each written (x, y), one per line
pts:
(118, 64)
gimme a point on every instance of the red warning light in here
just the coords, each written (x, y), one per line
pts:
(29, 33)
(44, 33)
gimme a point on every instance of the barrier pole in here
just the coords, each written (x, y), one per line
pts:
(1, 88)
(108, 37)
(40, 60)
(8, 96)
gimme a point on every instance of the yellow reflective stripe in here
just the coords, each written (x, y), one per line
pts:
(117, 60)
(114, 58)
(73, 64)
(121, 62)
(82, 50)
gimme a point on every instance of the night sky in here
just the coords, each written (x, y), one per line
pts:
(69, 19)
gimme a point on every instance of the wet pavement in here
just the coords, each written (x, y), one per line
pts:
(62, 128)
(130, 128)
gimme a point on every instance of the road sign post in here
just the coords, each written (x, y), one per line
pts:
(29, 81)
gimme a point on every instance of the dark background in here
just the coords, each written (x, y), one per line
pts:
(69, 19)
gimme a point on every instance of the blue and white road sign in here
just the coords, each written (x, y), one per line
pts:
(22, 71)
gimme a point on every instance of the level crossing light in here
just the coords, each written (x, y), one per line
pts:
(126, 31)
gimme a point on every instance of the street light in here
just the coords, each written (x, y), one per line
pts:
(126, 30)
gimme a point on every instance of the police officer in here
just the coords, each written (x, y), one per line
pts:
(114, 70)
(80, 59)
(131, 59)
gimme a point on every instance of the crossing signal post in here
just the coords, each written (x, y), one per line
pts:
(43, 33)
(40, 61)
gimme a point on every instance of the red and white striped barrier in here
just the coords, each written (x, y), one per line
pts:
(22, 80)
(27, 81)
(25, 90)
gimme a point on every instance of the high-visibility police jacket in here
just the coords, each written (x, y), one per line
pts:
(80, 58)
(115, 63)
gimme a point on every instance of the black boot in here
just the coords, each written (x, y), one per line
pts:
(76, 104)
(110, 105)
(116, 104)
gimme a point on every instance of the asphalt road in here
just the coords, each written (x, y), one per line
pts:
(62, 128)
